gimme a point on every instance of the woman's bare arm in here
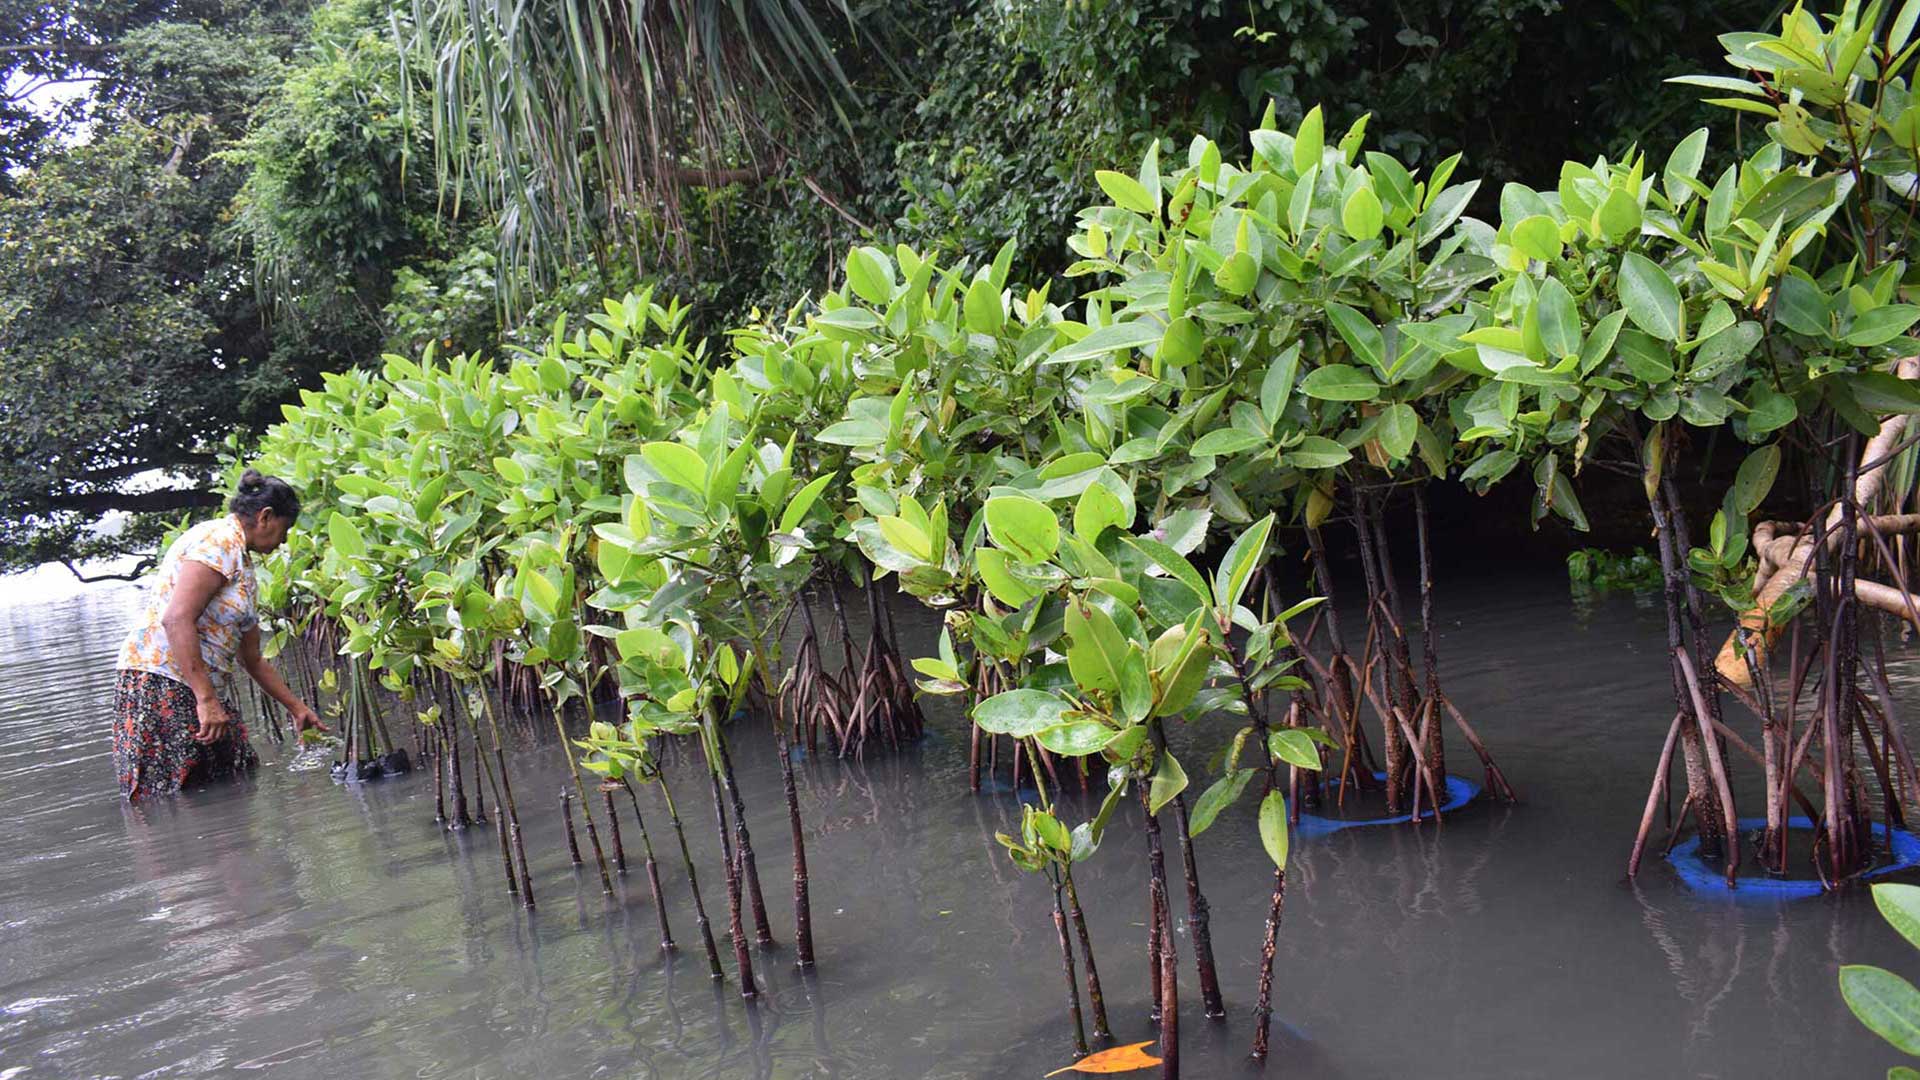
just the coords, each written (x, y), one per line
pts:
(263, 672)
(194, 587)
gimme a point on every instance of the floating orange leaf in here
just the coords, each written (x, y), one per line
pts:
(1117, 1060)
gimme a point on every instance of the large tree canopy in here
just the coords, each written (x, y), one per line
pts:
(250, 193)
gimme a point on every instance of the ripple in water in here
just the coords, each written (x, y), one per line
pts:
(288, 925)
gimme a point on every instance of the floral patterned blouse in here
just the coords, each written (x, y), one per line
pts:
(221, 545)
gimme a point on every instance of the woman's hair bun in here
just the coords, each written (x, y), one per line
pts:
(258, 492)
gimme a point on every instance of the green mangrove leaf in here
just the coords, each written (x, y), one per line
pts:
(1097, 650)
(1075, 738)
(1182, 343)
(1309, 141)
(1024, 528)
(1295, 747)
(1724, 349)
(1238, 564)
(1900, 906)
(678, 465)
(803, 501)
(1238, 274)
(1169, 780)
(1318, 452)
(1126, 335)
(1174, 563)
(1882, 324)
(345, 536)
(1273, 827)
(1278, 384)
(1362, 216)
(1219, 795)
(1361, 336)
(1651, 298)
(1126, 192)
(1339, 382)
(870, 273)
(1755, 478)
(1098, 509)
(1005, 588)
(1537, 237)
(1885, 1002)
(1224, 441)
(984, 312)
(1020, 713)
(1398, 426)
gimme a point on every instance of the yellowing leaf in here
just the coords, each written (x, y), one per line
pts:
(1117, 1060)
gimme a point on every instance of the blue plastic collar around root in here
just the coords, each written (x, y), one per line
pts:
(1698, 875)
(1460, 792)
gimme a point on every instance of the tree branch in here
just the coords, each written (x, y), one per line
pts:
(135, 502)
(139, 571)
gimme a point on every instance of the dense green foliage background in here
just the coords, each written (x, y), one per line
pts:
(248, 194)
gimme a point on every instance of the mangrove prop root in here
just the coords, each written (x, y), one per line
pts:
(513, 822)
(580, 789)
(1700, 782)
(439, 779)
(693, 884)
(1263, 1005)
(480, 773)
(506, 848)
(1094, 998)
(1066, 963)
(1169, 996)
(802, 901)
(750, 871)
(1199, 920)
(613, 831)
(526, 874)
(1168, 982)
(1655, 793)
(593, 838)
(653, 869)
(1715, 763)
(1153, 948)
(736, 928)
(566, 811)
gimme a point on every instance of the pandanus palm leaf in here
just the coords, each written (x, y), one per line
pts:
(580, 122)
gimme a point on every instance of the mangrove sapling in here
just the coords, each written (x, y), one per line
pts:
(1045, 845)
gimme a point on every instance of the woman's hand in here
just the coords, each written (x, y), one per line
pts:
(214, 721)
(305, 719)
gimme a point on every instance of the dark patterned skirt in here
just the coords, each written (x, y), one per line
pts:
(154, 721)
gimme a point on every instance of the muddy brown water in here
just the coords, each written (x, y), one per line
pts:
(287, 926)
